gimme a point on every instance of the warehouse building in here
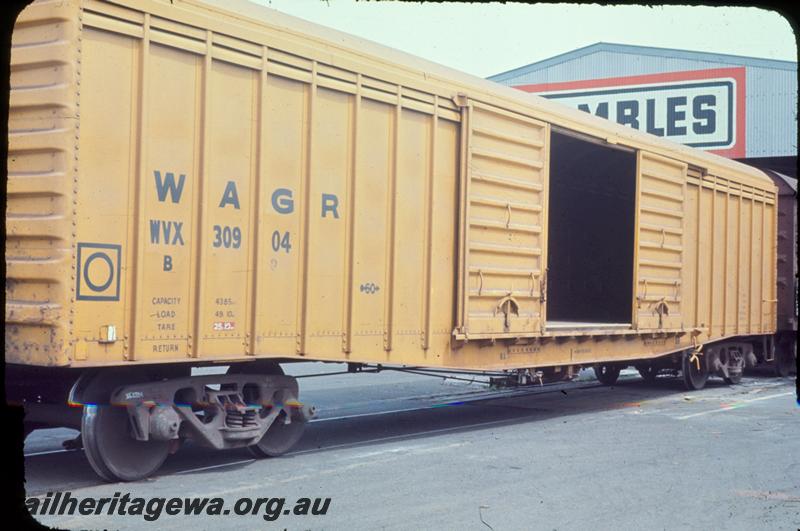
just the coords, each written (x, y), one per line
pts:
(742, 108)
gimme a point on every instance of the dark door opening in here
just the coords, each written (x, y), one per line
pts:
(590, 232)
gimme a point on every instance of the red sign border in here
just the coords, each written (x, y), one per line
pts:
(737, 73)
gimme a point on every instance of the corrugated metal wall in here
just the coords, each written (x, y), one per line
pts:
(771, 93)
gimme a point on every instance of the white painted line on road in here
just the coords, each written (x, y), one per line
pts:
(49, 452)
(243, 461)
(410, 450)
(372, 414)
(734, 405)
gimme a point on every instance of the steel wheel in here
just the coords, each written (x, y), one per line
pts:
(648, 372)
(280, 437)
(113, 453)
(607, 373)
(694, 377)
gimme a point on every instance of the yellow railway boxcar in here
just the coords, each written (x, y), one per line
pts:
(215, 182)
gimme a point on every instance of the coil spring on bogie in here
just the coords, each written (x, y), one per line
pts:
(241, 419)
(237, 413)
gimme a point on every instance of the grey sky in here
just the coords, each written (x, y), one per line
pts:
(485, 39)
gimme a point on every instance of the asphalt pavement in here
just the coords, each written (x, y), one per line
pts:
(400, 451)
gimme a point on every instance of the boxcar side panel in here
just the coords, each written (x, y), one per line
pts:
(704, 251)
(756, 266)
(691, 239)
(106, 186)
(165, 214)
(244, 191)
(372, 202)
(323, 243)
(226, 235)
(413, 174)
(740, 232)
(284, 136)
(444, 215)
(770, 300)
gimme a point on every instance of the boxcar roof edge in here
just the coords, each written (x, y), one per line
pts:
(542, 109)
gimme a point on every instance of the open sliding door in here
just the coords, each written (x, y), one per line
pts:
(661, 192)
(502, 226)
